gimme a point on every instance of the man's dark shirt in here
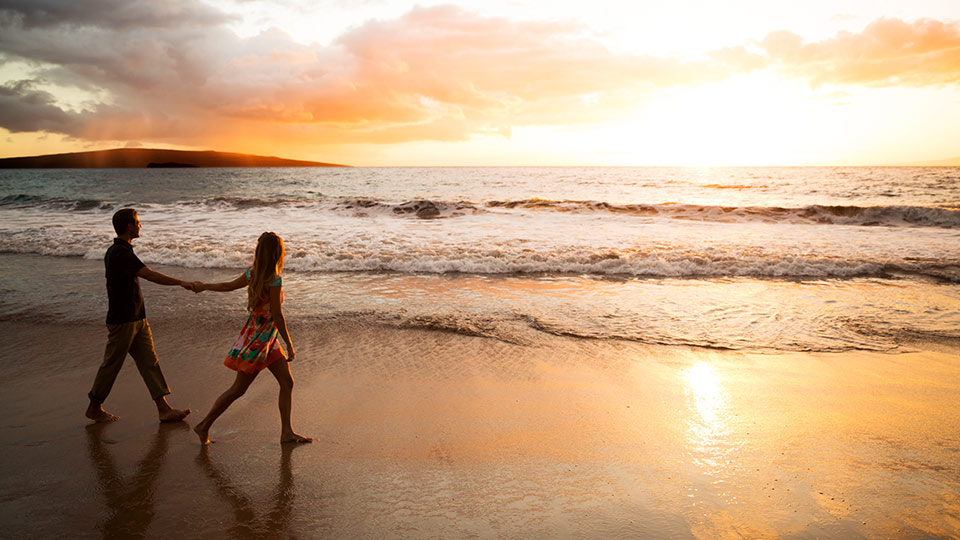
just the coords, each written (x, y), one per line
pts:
(123, 288)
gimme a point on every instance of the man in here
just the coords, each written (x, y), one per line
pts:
(129, 331)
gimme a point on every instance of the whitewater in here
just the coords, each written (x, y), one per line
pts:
(741, 258)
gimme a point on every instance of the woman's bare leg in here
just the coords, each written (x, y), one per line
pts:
(281, 370)
(237, 389)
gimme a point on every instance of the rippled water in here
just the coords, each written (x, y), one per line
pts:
(603, 221)
(740, 258)
(729, 313)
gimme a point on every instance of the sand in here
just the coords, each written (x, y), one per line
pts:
(424, 434)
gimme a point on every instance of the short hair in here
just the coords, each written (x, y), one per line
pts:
(123, 218)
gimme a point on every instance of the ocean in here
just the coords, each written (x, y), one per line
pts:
(751, 259)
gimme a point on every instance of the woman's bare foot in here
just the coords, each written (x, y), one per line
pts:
(294, 438)
(96, 413)
(203, 432)
(174, 415)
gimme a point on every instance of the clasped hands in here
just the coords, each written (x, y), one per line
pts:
(195, 286)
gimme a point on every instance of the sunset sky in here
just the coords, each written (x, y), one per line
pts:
(492, 82)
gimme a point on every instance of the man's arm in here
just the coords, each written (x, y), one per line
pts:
(158, 278)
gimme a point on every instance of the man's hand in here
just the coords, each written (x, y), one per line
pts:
(194, 286)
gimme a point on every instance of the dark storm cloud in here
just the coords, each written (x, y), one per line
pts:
(113, 14)
(24, 108)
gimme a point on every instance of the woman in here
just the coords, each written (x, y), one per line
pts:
(258, 346)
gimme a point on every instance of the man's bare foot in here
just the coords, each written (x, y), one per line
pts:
(174, 415)
(100, 416)
(294, 438)
(204, 433)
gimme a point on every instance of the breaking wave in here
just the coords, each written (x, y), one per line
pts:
(947, 217)
(891, 216)
(358, 256)
(21, 200)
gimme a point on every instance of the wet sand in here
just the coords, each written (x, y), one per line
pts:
(433, 434)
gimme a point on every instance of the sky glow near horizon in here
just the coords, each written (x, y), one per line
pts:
(500, 82)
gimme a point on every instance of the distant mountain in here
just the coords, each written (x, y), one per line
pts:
(951, 162)
(127, 158)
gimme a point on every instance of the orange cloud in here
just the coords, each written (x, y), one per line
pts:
(175, 74)
(889, 52)
(425, 74)
(434, 74)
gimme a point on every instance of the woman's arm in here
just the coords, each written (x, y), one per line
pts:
(276, 310)
(225, 286)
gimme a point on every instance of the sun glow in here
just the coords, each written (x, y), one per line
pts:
(749, 120)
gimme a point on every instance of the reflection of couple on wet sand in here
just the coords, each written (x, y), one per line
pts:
(131, 498)
(256, 349)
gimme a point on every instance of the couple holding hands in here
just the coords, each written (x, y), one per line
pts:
(257, 348)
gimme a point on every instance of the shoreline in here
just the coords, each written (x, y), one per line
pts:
(737, 314)
(425, 433)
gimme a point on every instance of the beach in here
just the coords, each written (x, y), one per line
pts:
(427, 433)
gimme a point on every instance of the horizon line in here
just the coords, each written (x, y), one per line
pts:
(947, 162)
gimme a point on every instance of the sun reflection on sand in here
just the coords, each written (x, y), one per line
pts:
(707, 432)
(704, 384)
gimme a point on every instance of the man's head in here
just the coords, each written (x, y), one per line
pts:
(127, 223)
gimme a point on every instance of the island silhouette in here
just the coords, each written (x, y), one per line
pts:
(127, 158)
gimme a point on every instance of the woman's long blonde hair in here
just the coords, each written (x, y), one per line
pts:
(267, 265)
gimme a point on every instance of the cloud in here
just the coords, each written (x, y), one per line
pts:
(889, 52)
(440, 65)
(436, 73)
(173, 72)
(24, 108)
(109, 13)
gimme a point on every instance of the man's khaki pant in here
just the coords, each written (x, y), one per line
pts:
(137, 339)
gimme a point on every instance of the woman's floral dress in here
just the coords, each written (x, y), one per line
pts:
(258, 346)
